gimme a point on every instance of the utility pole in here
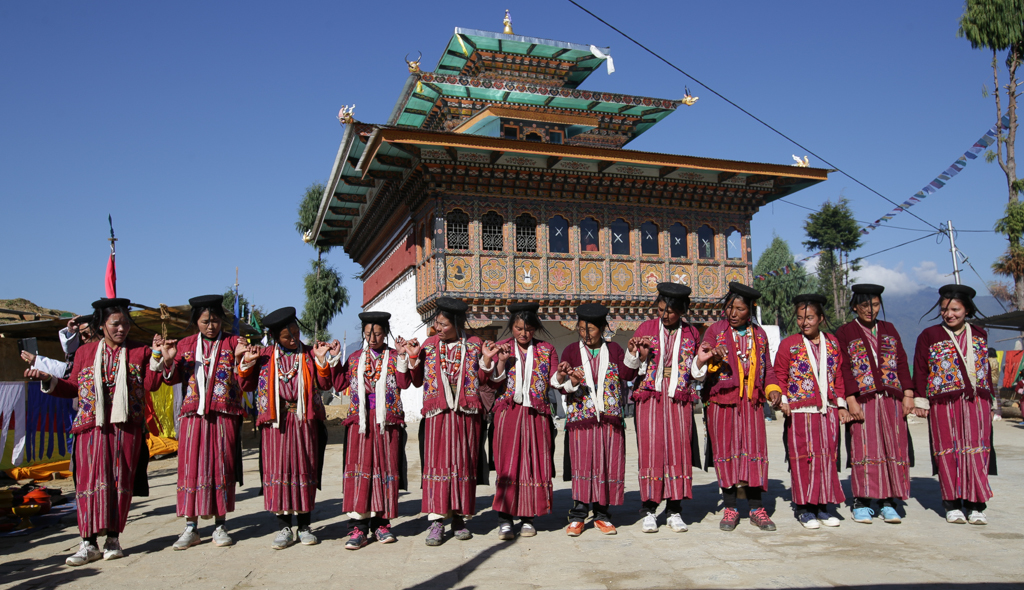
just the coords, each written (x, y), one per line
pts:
(952, 250)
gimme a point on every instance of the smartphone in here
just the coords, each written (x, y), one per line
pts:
(28, 345)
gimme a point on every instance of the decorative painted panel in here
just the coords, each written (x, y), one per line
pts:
(459, 273)
(494, 275)
(707, 281)
(591, 277)
(650, 276)
(735, 275)
(622, 277)
(559, 277)
(679, 274)
(528, 276)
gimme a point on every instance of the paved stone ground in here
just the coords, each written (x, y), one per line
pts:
(922, 550)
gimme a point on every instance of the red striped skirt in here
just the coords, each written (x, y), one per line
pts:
(206, 464)
(739, 444)
(522, 462)
(289, 457)
(813, 444)
(663, 430)
(105, 463)
(450, 452)
(960, 431)
(879, 450)
(598, 456)
(371, 470)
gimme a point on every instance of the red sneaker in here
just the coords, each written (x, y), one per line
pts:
(574, 529)
(730, 519)
(759, 518)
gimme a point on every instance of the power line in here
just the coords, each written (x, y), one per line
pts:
(967, 261)
(857, 220)
(748, 113)
(898, 246)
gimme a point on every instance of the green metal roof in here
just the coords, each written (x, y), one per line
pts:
(455, 58)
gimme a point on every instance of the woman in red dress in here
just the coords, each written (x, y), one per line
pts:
(522, 423)
(734, 363)
(110, 379)
(591, 375)
(375, 435)
(450, 366)
(666, 441)
(954, 387)
(287, 377)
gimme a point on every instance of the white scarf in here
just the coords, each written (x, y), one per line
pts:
(524, 375)
(820, 370)
(202, 379)
(969, 360)
(602, 55)
(596, 385)
(662, 355)
(453, 397)
(380, 393)
(119, 413)
(299, 374)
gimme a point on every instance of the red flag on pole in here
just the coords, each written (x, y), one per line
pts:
(111, 277)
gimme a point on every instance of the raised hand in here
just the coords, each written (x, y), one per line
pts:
(577, 376)
(37, 375)
(504, 351)
(252, 354)
(320, 350)
(335, 347)
(413, 347)
(563, 371)
(158, 343)
(73, 324)
(170, 350)
(643, 346)
(28, 357)
(704, 353)
(490, 349)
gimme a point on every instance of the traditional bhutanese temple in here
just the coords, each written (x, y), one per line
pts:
(497, 179)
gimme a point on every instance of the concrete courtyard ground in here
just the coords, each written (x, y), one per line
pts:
(923, 550)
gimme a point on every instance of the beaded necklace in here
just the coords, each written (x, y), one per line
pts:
(450, 366)
(110, 364)
(290, 374)
(373, 367)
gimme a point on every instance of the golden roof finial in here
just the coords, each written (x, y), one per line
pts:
(508, 23)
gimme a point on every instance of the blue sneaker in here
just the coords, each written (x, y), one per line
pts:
(890, 515)
(863, 515)
(808, 520)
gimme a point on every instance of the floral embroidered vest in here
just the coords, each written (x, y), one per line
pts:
(85, 419)
(945, 377)
(433, 390)
(579, 406)
(393, 411)
(224, 393)
(860, 364)
(539, 381)
(685, 390)
(803, 389)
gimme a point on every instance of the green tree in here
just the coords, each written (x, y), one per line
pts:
(834, 233)
(998, 26)
(778, 291)
(325, 294)
(1011, 263)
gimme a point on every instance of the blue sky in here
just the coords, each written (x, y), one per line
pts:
(198, 125)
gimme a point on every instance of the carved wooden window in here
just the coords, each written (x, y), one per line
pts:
(706, 242)
(491, 234)
(534, 136)
(526, 233)
(620, 237)
(590, 240)
(558, 235)
(734, 244)
(554, 137)
(649, 238)
(677, 240)
(457, 230)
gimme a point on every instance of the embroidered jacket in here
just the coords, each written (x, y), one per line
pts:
(722, 385)
(545, 365)
(262, 378)
(890, 375)
(579, 405)
(427, 374)
(224, 395)
(648, 387)
(345, 375)
(80, 384)
(796, 375)
(939, 372)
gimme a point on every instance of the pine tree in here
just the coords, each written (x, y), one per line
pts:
(834, 232)
(778, 291)
(326, 296)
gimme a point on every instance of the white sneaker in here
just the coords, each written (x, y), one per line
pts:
(112, 549)
(977, 517)
(650, 523)
(306, 537)
(284, 539)
(189, 538)
(221, 538)
(87, 553)
(955, 517)
(675, 522)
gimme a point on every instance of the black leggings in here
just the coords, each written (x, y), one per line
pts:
(729, 497)
(302, 520)
(963, 505)
(671, 506)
